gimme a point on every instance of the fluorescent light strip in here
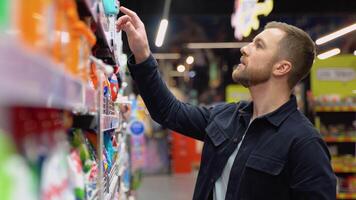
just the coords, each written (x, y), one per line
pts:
(161, 32)
(329, 53)
(336, 34)
(217, 45)
(166, 56)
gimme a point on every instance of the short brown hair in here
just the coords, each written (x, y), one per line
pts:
(298, 48)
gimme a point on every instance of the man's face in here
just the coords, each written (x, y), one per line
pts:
(258, 58)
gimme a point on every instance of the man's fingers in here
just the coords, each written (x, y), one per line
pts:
(122, 21)
(134, 18)
(129, 28)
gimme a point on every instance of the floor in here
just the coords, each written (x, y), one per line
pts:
(167, 187)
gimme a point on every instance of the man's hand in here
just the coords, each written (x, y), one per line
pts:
(136, 34)
(125, 111)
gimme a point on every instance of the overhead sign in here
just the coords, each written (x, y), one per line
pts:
(336, 74)
(245, 17)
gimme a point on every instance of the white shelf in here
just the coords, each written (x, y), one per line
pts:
(112, 188)
(110, 182)
(110, 122)
(90, 99)
(336, 108)
(32, 79)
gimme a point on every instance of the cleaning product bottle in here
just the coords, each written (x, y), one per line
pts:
(4, 14)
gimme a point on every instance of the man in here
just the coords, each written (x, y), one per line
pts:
(265, 149)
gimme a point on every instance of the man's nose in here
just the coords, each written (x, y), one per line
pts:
(243, 50)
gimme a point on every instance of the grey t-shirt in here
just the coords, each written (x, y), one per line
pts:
(221, 184)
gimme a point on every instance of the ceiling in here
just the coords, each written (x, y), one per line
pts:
(225, 7)
(214, 17)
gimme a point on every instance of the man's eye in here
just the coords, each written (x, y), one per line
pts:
(258, 45)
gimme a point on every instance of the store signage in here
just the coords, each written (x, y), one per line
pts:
(137, 127)
(245, 17)
(336, 74)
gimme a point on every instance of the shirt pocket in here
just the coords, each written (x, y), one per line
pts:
(264, 178)
(216, 136)
(268, 165)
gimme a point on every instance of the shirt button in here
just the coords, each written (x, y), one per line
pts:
(235, 140)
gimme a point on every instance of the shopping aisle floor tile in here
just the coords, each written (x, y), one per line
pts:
(167, 187)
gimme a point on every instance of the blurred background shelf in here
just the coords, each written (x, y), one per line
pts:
(340, 139)
(346, 196)
(345, 108)
(345, 170)
(110, 122)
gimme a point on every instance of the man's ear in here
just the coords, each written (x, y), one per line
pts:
(282, 68)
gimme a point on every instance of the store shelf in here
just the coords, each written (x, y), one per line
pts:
(345, 108)
(344, 169)
(112, 188)
(32, 79)
(346, 196)
(110, 182)
(110, 122)
(90, 99)
(340, 139)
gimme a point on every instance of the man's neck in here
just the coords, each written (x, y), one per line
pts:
(267, 98)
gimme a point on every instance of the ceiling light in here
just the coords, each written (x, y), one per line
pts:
(329, 53)
(336, 34)
(217, 45)
(161, 32)
(181, 68)
(166, 56)
(189, 60)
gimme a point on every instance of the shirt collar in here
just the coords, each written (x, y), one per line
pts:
(276, 117)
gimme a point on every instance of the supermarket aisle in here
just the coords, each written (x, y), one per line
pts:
(167, 187)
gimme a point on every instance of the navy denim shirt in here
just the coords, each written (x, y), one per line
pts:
(282, 156)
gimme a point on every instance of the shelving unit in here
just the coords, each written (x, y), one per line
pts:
(342, 139)
(346, 196)
(335, 117)
(342, 146)
(337, 108)
(46, 104)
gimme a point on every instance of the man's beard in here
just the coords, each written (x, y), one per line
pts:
(247, 77)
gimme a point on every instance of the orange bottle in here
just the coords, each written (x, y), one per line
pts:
(61, 35)
(36, 22)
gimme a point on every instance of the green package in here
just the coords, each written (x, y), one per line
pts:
(4, 13)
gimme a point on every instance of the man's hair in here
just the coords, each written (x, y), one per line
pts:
(298, 48)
